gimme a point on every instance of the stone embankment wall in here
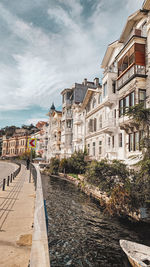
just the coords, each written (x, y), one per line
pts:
(94, 192)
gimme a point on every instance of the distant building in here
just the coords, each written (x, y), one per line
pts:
(72, 128)
(15, 145)
(54, 133)
(1, 144)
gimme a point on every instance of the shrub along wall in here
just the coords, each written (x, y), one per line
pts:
(128, 190)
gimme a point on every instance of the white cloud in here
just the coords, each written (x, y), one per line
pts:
(45, 62)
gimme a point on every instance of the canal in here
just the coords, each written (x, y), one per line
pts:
(79, 231)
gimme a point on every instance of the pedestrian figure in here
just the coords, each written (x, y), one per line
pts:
(28, 163)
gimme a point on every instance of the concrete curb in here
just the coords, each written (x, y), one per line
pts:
(39, 250)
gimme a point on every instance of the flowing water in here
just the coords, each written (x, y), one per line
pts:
(81, 234)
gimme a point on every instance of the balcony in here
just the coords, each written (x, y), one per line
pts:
(129, 74)
(77, 121)
(67, 102)
(78, 138)
(109, 100)
(109, 126)
(127, 124)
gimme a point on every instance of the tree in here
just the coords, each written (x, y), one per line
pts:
(54, 166)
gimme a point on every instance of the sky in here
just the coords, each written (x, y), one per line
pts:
(48, 45)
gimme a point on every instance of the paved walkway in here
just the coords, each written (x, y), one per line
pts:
(16, 221)
(6, 169)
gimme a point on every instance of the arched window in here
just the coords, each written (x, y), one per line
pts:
(100, 122)
(94, 103)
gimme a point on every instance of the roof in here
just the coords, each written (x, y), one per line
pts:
(146, 5)
(132, 19)
(66, 90)
(108, 53)
(87, 96)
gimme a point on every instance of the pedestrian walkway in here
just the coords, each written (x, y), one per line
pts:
(16, 221)
(6, 168)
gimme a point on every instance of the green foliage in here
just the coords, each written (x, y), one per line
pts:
(73, 175)
(54, 166)
(106, 175)
(140, 114)
(75, 164)
(64, 165)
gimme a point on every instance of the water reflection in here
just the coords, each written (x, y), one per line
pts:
(80, 234)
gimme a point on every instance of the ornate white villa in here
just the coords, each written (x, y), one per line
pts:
(92, 114)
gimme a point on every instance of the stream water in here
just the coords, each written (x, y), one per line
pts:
(81, 234)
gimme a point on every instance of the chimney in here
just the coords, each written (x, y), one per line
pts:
(85, 81)
(96, 81)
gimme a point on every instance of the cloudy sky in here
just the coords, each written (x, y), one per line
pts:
(47, 45)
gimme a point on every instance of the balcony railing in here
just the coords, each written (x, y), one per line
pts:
(134, 70)
(67, 116)
(67, 102)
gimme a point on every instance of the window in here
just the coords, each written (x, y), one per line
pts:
(113, 87)
(88, 107)
(95, 124)
(126, 102)
(105, 89)
(125, 63)
(69, 124)
(120, 140)
(134, 141)
(94, 103)
(136, 138)
(142, 95)
(131, 142)
(108, 141)
(141, 135)
(100, 122)
(113, 141)
(90, 125)
(100, 147)
(93, 148)
(100, 99)
(121, 107)
(88, 149)
(132, 101)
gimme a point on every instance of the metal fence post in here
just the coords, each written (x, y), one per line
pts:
(4, 181)
(8, 181)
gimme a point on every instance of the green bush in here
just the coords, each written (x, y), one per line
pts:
(106, 175)
(64, 165)
(77, 163)
(54, 166)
